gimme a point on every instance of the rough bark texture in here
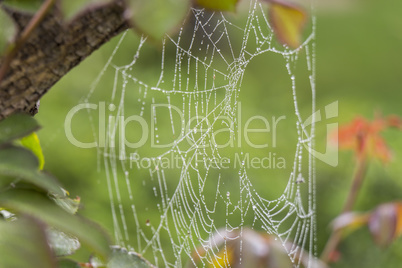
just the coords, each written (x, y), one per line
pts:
(53, 49)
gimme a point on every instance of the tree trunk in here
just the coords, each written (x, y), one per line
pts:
(52, 50)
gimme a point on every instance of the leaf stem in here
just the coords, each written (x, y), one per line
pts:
(336, 235)
(15, 47)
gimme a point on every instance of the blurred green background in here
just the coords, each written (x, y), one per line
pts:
(359, 64)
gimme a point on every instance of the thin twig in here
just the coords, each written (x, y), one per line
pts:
(336, 235)
(15, 47)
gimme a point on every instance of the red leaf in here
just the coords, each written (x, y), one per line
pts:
(395, 121)
(363, 137)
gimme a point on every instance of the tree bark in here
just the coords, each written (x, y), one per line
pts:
(53, 49)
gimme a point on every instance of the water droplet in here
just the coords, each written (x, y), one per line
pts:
(300, 179)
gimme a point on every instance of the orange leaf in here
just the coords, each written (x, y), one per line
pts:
(380, 150)
(363, 137)
(288, 21)
(395, 121)
(398, 230)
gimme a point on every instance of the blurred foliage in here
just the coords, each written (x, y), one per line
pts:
(156, 22)
(23, 243)
(288, 22)
(384, 223)
(17, 127)
(7, 31)
(225, 5)
(38, 221)
(121, 258)
(364, 138)
(25, 5)
(27, 197)
(73, 7)
(258, 250)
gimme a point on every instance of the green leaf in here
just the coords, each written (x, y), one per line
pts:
(23, 244)
(155, 18)
(72, 7)
(22, 164)
(218, 5)
(37, 205)
(121, 258)
(19, 156)
(32, 143)
(17, 126)
(68, 204)
(7, 30)
(25, 5)
(288, 21)
(61, 243)
(66, 263)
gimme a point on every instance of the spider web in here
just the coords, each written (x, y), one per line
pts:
(170, 129)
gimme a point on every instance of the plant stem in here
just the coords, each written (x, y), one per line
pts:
(33, 23)
(335, 237)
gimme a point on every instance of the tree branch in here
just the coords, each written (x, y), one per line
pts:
(52, 49)
(25, 35)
